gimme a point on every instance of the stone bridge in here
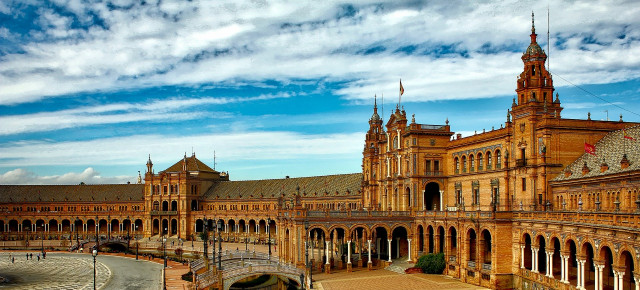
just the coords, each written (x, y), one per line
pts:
(239, 265)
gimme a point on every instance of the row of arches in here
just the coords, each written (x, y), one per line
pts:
(587, 264)
(251, 226)
(477, 249)
(68, 225)
(477, 161)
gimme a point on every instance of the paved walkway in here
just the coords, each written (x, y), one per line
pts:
(54, 272)
(384, 279)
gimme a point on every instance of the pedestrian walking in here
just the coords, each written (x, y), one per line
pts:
(38, 257)
(13, 261)
(31, 256)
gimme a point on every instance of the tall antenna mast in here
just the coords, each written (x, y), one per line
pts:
(214, 159)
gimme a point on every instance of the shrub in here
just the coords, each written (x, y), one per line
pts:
(431, 263)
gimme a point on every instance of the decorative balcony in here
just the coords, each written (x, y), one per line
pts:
(521, 162)
(163, 212)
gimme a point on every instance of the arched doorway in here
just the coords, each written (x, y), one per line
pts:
(399, 245)
(155, 230)
(432, 196)
(626, 262)
(165, 206)
(165, 227)
(430, 238)
(420, 239)
(527, 263)
(174, 205)
(174, 227)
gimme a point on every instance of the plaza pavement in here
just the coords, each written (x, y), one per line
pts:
(76, 271)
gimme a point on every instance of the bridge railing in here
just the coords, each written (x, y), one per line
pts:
(261, 268)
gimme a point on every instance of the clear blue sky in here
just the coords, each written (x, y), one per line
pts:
(88, 90)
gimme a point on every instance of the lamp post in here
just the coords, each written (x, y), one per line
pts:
(219, 245)
(213, 248)
(128, 234)
(306, 253)
(76, 229)
(95, 253)
(42, 238)
(205, 240)
(269, 230)
(97, 240)
(108, 227)
(164, 248)
(137, 243)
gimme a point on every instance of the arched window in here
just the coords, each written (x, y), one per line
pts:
(464, 163)
(156, 205)
(457, 162)
(498, 159)
(489, 160)
(472, 160)
(480, 162)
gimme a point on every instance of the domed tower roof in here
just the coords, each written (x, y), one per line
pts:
(534, 51)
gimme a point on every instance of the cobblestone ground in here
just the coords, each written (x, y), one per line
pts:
(384, 279)
(54, 272)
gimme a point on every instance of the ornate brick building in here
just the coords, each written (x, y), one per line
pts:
(521, 206)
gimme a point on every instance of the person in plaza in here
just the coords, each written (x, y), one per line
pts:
(31, 256)
(13, 260)
(38, 257)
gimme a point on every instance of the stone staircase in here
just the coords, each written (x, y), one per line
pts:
(399, 265)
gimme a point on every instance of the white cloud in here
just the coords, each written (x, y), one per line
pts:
(88, 176)
(132, 150)
(185, 43)
(168, 110)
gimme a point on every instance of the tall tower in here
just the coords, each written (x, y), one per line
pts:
(374, 139)
(532, 113)
(535, 84)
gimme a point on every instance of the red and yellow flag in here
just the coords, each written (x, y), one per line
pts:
(588, 148)
(401, 88)
(624, 132)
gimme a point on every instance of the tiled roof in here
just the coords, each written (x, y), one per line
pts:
(347, 185)
(609, 149)
(193, 164)
(71, 193)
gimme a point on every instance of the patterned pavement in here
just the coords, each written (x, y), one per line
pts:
(384, 279)
(55, 272)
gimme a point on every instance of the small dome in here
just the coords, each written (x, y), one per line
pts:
(375, 117)
(534, 49)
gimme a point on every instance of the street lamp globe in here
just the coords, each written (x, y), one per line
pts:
(95, 252)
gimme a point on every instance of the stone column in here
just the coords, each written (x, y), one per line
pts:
(620, 280)
(522, 257)
(327, 251)
(563, 268)
(441, 201)
(599, 268)
(389, 240)
(369, 250)
(637, 280)
(581, 273)
(550, 264)
(348, 251)
(534, 259)
(409, 248)
(616, 284)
